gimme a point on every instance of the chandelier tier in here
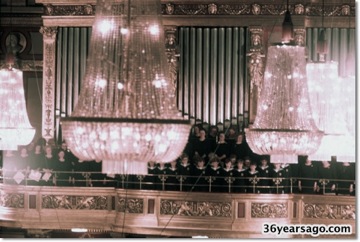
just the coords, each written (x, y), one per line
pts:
(15, 128)
(283, 123)
(126, 114)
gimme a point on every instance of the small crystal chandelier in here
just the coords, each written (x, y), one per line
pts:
(15, 128)
(126, 114)
(284, 127)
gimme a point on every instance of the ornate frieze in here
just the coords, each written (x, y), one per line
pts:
(195, 208)
(74, 202)
(269, 210)
(130, 205)
(11, 200)
(48, 103)
(309, 9)
(329, 211)
(69, 10)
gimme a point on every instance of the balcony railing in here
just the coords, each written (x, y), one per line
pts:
(170, 213)
(167, 182)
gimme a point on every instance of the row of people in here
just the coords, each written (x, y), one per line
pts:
(232, 175)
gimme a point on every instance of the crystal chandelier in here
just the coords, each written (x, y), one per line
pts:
(126, 114)
(283, 126)
(15, 128)
(325, 92)
(283, 123)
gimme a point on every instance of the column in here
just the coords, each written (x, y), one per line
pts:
(48, 95)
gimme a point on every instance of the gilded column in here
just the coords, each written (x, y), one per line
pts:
(255, 69)
(48, 95)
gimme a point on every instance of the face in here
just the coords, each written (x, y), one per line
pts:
(202, 133)
(201, 163)
(228, 164)
(253, 167)
(240, 165)
(264, 162)
(247, 163)
(48, 150)
(215, 164)
(196, 129)
(37, 148)
(231, 131)
(61, 154)
(222, 137)
(185, 160)
(239, 138)
(173, 163)
(23, 151)
(277, 165)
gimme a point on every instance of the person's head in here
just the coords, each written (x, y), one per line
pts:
(233, 158)
(239, 139)
(232, 131)
(151, 163)
(215, 162)
(48, 150)
(228, 163)
(277, 165)
(161, 165)
(196, 129)
(64, 145)
(221, 137)
(240, 163)
(37, 149)
(253, 166)
(202, 133)
(61, 154)
(184, 158)
(213, 131)
(247, 162)
(200, 162)
(264, 161)
(173, 163)
(23, 151)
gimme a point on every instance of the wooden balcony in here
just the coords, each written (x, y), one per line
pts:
(167, 213)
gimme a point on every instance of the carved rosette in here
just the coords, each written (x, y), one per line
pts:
(130, 205)
(195, 208)
(11, 200)
(48, 104)
(74, 202)
(269, 210)
(329, 211)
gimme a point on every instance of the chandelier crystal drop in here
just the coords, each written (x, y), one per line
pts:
(15, 128)
(126, 114)
(283, 123)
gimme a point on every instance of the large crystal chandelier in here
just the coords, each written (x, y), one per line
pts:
(126, 114)
(15, 128)
(283, 126)
(325, 92)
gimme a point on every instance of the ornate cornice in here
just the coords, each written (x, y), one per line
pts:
(173, 9)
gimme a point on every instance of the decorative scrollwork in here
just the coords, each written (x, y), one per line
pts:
(74, 202)
(69, 10)
(329, 211)
(130, 205)
(11, 200)
(217, 9)
(195, 208)
(269, 210)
